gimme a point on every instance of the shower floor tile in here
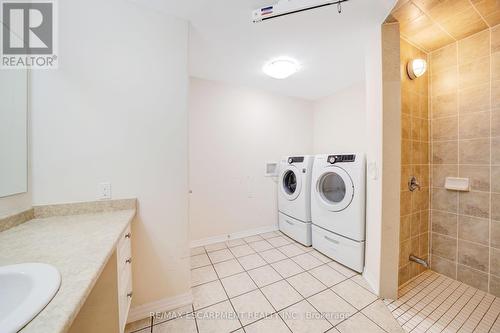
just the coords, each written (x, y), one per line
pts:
(435, 303)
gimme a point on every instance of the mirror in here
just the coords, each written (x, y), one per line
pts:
(13, 132)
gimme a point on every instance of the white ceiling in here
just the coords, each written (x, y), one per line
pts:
(226, 46)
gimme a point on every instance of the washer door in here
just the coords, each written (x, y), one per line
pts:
(291, 182)
(334, 189)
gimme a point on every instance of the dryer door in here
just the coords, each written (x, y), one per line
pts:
(334, 189)
(291, 182)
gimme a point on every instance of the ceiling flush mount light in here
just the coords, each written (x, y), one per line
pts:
(281, 68)
(416, 68)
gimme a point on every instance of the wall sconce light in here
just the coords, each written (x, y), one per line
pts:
(416, 68)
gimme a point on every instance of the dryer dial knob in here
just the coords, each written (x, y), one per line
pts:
(290, 160)
(332, 159)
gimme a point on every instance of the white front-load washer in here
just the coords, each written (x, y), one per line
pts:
(294, 197)
(338, 207)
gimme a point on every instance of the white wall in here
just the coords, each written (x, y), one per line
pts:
(115, 110)
(339, 121)
(233, 131)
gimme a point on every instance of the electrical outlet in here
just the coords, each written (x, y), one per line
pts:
(104, 191)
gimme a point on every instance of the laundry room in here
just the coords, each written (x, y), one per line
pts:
(222, 166)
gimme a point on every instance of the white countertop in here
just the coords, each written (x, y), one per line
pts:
(78, 245)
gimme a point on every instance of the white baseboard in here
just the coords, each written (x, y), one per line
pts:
(235, 235)
(162, 305)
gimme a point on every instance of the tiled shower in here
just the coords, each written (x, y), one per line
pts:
(450, 120)
(465, 140)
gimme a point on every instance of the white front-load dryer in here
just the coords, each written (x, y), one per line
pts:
(338, 207)
(294, 197)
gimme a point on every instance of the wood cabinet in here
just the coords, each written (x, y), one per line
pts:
(106, 308)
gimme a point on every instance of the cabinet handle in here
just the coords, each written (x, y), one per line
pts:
(128, 235)
(331, 240)
(129, 295)
(128, 261)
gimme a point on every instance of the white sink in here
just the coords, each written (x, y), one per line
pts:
(25, 289)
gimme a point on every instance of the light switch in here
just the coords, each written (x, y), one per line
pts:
(104, 191)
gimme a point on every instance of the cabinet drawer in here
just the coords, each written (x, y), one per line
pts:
(124, 272)
(125, 294)
(298, 230)
(124, 250)
(343, 250)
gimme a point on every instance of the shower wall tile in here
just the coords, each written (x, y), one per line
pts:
(415, 155)
(441, 171)
(495, 206)
(474, 204)
(495, 39)
(444, 82)
(474, 73)
(495, 123)
(495, 150)
(472, 277)
(495, 179)
(444, 266)
(476, 125)
(445, 152)
(495, 66)
(445, 57)
(444, 105)
(445, 128)
(474, 229)
(495, 234)
(473, 255)
(444, 246)
(465, 226)
(444, 223)
(494, 285)
(477, 46)
(474, 151)
(495, 95)
(495, 261)
(474, 99)
(479, 176)
(444, 200)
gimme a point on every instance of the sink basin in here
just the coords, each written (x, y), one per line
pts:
(25, 289)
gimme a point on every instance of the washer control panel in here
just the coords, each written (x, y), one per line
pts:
(332, 159)
(296, 159)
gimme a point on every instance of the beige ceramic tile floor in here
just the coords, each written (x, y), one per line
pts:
(270, 283)
(435, 303)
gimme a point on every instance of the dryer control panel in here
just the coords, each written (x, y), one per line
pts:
(332, 159)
